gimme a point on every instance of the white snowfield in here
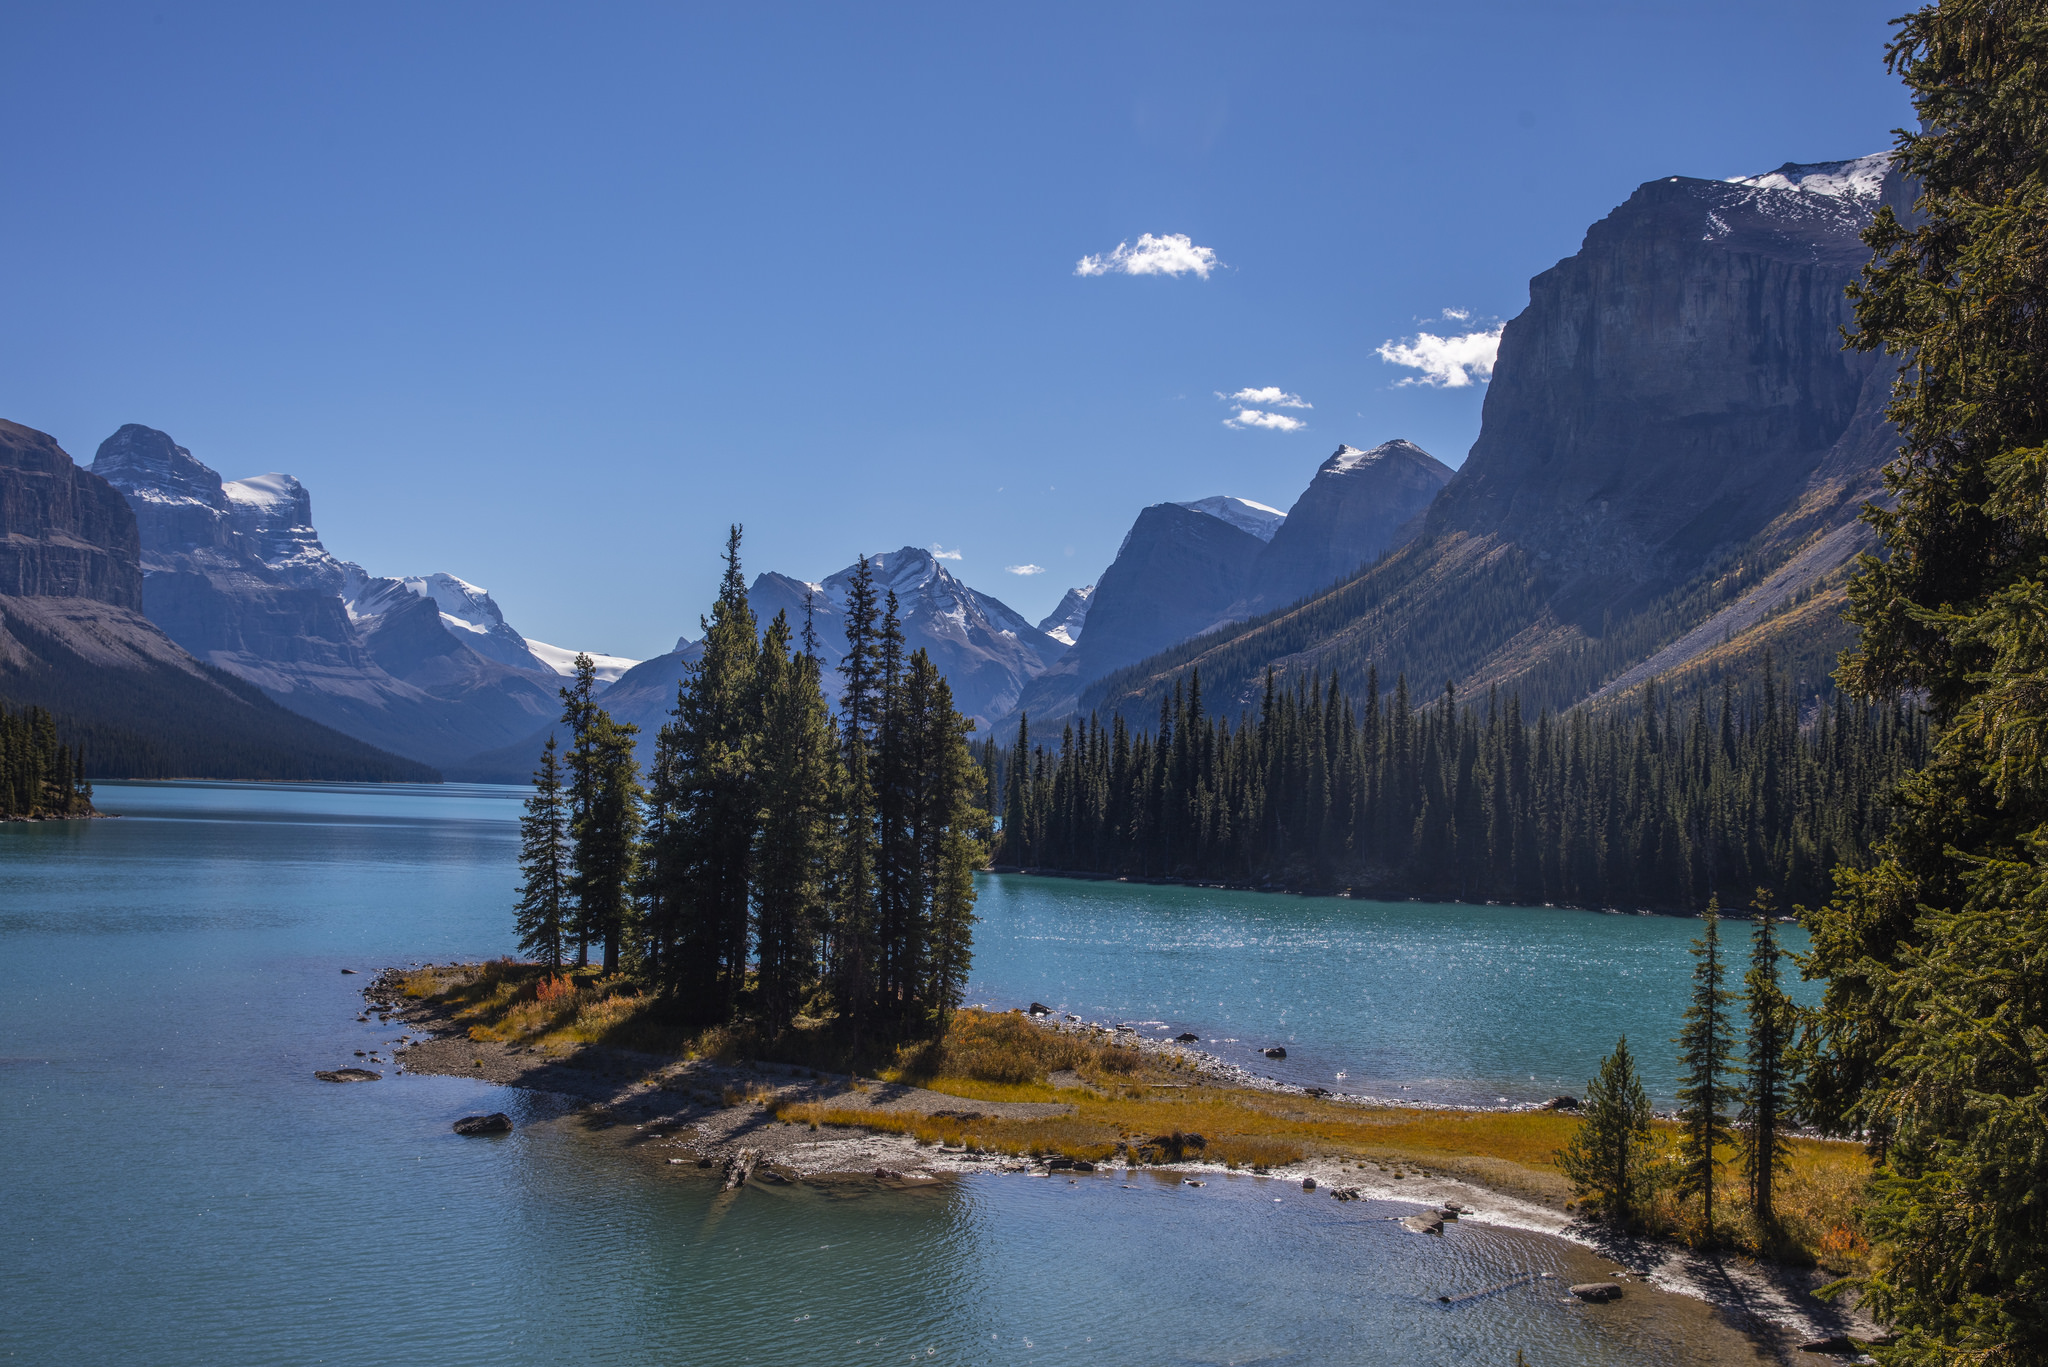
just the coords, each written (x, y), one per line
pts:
(563, 661)
(1241, 513)
(271, 491)
(1861, 178)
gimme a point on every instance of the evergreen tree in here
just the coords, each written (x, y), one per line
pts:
(1608, 1157)
(1767, 1067)
(1929, 1037)
(579, 714)
(707, 867)
(1706, 1049)
(854, 891)
(797, 770)
(607, 840)
(544, 862)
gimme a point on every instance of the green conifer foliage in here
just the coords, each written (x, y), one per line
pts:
(707, 865)
(1609, 1156)
(39, 775)
(1767, 1068)
(1652, 809)
(797, 767)
(608, 847)
(1706, 1049)
(544, 864)
(579, 714)
(1930, 1036)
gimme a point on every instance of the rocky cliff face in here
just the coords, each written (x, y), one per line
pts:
(237, 575)
(63, 533)
(1674, 385)
(1359, 505)
(1671, 420)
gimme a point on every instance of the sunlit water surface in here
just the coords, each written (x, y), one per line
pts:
(180, 1189)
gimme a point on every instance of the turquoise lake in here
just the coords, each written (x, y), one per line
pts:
(180, 1189)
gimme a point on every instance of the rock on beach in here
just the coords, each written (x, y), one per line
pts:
(1597, 1291)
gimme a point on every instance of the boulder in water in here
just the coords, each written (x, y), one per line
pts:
(1597, 1291)
(495, 1123)
(348, 1075)
(1276, 1052)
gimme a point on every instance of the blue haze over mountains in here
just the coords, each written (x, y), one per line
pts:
(1674, 394)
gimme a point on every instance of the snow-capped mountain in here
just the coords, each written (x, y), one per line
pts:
(236, 573)
(984, 647)
(1240, 513)
(1064, 622)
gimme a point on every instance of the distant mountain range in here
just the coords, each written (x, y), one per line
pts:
(1672, 452)
(235, 572)
(74, 639)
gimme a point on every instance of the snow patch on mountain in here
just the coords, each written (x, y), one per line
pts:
(563, 660)
(275, 513)
(1241, 513)
(1861, 178)
(1064, 623)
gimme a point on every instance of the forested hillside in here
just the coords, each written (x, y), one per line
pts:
(1660, 809)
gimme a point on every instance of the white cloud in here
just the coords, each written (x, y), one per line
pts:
(1446, 362)
(1458, 315)
(1168, 254)
(1273, 422)
(1272, 396)
(940, 554)
(1025, 569)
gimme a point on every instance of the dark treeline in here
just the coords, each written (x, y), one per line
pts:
(39, 775)
(781, 860)
(1657, 808)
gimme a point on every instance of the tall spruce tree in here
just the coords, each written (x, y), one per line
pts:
(1608, 1157)
(544, 863)
(855, 872)
(713, 736)
(1772, 1021)
(607, 839)
(1929, 1039)
(1706, 1049)
(579, 714)
(797, 770)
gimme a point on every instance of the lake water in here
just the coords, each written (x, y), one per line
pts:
(180, 1190)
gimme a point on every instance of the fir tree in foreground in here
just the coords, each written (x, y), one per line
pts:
(1932, 1039)
(1608, 1158)
(1767, 1071)
(544, 862)
(1706, 1047)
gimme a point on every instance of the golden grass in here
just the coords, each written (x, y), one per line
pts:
(1131, 1111)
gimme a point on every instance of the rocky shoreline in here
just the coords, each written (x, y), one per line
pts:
(708, 1115)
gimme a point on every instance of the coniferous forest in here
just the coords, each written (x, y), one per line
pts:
(1659, 808)
(781, 859)
(39, 775)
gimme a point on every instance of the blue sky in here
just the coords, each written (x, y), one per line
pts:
(545, 296)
